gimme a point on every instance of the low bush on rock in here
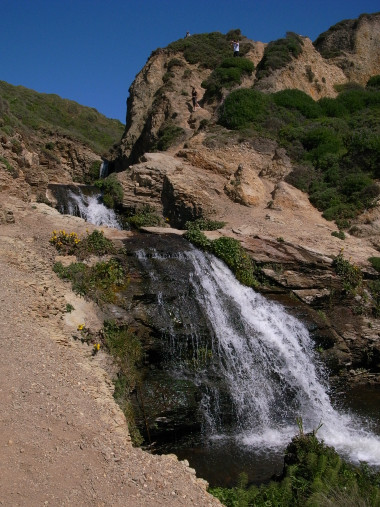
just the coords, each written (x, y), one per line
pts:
(204, 224)
(313, 475)
(69, 243)
(279, 53)
(230, 251)
(146, 217)
(208, 49)
(227, 75)
(101, 282)
(127, 350)
(112, 191)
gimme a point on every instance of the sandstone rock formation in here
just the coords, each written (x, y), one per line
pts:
(158, 96)
(39, 160)
(353, 46)
(209, 172)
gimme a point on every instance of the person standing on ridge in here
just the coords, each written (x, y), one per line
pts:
(236, 46)
(194, 98)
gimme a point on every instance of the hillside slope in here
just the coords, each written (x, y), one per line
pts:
(159, 103)
(45, 139)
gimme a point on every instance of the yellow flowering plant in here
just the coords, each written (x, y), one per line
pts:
(65, 242)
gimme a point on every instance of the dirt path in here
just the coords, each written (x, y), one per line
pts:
(63, 439)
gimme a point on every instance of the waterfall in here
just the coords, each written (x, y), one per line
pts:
(264, 358)
(91, 209)
(273, 375)
(85, 202)
(103, 170)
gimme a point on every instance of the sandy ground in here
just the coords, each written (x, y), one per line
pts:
(63, 439)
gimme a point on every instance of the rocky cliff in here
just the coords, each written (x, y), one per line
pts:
(200, 169)
(160, 94)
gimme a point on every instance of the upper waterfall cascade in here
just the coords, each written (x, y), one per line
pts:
(73, 200)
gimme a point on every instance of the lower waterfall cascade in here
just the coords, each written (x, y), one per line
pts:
(265, 359)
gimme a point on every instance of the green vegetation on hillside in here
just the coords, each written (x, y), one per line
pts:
(313, 475)
(279, 53)
(334, 143)
(25, 109)
(208, 49)
(228, 74)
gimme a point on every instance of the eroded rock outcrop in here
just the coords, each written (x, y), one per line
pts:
(353, 45)
(31, 162)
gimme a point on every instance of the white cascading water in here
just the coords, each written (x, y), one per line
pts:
(103, 169)
(91, 209)
(267, 361)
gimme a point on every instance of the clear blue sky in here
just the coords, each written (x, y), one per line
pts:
(91, 50)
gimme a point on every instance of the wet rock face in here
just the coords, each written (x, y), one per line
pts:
(179, 368)
(163, 312)
(179, 371)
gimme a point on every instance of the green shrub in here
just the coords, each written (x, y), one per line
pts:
(100, 282)
(321, 141)
(227, 75)
(167, 136)
(350, 274)
(279, 53)
(112, 191)
(93, 173)
(339, 234)
(375, 261)
(313, 475)
(198, 238)
(12, 171)
(355, 183)
(174, 62)
(353, 100)
(204, 224)
(243, 107)
(332, 108)
(374, 82)
(374, 288)
(167, 77)
(126, 347)
(95, 243)
(222, 78)
(207, 49)
(245, 65)
(128, 352)
(301, 177)
(145, 217)
(232, 253)
(299, 100)
(364, 151)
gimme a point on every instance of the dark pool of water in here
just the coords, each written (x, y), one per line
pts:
(221, 461)
(363, 401)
